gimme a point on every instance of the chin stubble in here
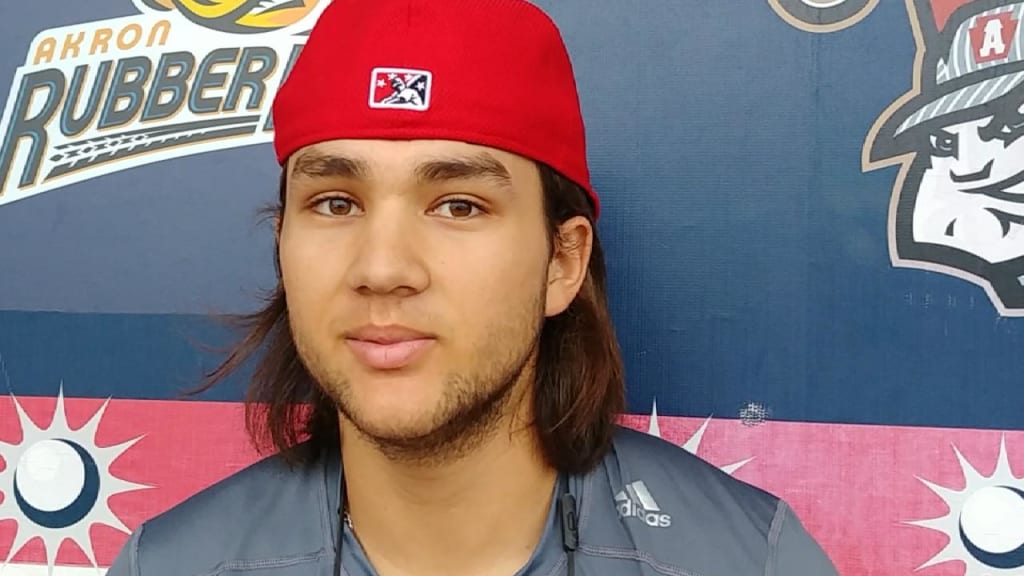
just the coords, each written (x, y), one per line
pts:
(468, 414)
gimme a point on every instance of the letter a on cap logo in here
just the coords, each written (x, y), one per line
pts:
(993, 36)
(400, 88)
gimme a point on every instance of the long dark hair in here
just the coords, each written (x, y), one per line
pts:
(579, 389)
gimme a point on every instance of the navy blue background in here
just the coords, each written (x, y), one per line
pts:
(747, 249)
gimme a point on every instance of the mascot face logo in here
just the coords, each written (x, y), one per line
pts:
(236, 16)
(957, 205)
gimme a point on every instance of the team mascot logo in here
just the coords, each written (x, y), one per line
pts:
(957, 206)
(822, 15)
(236, 16)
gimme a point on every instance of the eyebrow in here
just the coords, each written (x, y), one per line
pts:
(318, 164)
(475, 166)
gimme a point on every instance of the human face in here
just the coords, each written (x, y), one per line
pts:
(972, 196)
(415, 274)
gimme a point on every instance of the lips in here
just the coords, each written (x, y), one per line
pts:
(388, 347)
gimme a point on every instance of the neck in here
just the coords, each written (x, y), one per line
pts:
(481, 514)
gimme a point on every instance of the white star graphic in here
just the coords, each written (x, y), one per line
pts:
(692, 445)
(57, 483)
(985, 521)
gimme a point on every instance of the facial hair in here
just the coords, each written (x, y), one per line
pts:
(472, 405)
(469, 413)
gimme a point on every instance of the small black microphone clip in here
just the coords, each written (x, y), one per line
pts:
(570, 524)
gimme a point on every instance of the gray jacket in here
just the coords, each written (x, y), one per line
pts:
(650, 508)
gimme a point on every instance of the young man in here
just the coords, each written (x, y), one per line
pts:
(437, 367)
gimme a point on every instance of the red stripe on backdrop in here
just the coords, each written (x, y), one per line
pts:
(855, 487)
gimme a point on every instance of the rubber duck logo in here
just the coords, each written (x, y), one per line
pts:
(236, 16)
(178, 78)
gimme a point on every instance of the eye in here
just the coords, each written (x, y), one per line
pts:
(943, 144)
(1007, 127)
(1008, 132)
(335, 206)
(459, 209)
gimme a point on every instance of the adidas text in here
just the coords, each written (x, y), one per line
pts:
(629, 509)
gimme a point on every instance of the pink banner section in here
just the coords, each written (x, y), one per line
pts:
(881, 500)
(181, 448)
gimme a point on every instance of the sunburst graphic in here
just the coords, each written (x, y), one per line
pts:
(692, 445)
(57, 483)
(985, 521)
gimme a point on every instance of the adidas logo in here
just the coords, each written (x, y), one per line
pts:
(636, 501)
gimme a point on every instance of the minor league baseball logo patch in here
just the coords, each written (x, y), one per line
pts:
(400, 88)
(957, 204)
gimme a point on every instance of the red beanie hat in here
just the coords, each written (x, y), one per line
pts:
(489, 72)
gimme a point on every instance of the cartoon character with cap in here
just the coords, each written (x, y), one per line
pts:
(436, 370)
(958, 202)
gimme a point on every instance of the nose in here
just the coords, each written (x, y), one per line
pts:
(975, 157)
(388, 256)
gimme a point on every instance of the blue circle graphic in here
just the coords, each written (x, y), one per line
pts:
(78, 509)
(1005, 560)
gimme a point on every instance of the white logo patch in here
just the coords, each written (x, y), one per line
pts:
(636, 501)
(400, 88)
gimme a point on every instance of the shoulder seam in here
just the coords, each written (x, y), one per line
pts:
(639, 556)
(279, 562)
(133, 550)
(134, 564)
(774, 533)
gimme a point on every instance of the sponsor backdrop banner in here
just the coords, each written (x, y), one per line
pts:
(814, 220)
